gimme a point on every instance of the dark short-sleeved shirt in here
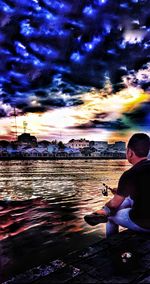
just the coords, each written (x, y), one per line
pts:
(136, 183)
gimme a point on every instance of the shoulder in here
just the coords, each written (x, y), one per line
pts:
(127, 177)
(126, 183)
(127, 174)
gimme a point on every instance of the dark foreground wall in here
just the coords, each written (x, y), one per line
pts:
(99, 263)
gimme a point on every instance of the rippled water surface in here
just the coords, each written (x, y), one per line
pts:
(59, 194)
(71, 189)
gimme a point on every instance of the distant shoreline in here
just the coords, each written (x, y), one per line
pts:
(60, 158)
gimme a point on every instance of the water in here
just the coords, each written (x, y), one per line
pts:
(68, 190)
(72, 187)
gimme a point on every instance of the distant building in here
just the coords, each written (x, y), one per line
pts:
(110, 148)
(99, 145)
(44, 144)
(40, 152)
(120, 146)
(78, 144)
(96, 154)
(27, 140)
(73, 152)
(4, 153)
(52, 149)
(13, 152)
(68, 152)
(117, 147)
(31, 153)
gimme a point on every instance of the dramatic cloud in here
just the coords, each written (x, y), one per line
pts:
(141, 116)
(57, 58)
(88, 119)
(5, 110)
(109, 125)
(82, 40)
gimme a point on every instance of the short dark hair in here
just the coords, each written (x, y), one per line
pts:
(139, 143)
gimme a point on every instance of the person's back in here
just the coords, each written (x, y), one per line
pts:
(130, 206)
(140, 212)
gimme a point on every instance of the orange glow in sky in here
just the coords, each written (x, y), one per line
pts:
(63, 123)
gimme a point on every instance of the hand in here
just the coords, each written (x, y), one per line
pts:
(113, 190)
(105, 191)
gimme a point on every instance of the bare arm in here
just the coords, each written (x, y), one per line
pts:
(115, 202)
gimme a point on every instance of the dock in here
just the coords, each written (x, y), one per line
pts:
(103, 262)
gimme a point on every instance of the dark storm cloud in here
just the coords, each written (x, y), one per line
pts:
(2, 113)
(141, 116)
(108, 125)
(58, 94)
(102, 115)
(35, 109)
(81, 40)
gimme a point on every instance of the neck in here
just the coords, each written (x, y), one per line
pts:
(137, 160)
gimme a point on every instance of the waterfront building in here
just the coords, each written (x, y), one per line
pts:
(99, 145)
(73, 152)
(96, 154)
(120, 146)
(68, 152)
(13, 152)
(39, 151)
(87, 151)
(32, 152)
(44, 144)
(8, 151)
(78, 144)
(27, 146)
(52, 148)
(117, 147)
(4, 152)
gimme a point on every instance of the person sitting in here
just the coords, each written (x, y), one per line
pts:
(130, 206)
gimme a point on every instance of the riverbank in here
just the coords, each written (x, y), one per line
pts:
(102, 262)
(59, 158)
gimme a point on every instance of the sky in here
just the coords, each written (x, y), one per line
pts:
(75, 69)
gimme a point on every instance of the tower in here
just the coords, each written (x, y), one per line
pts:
(16, 130)
(25, 124)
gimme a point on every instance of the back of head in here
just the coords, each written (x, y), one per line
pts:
(139, 143)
